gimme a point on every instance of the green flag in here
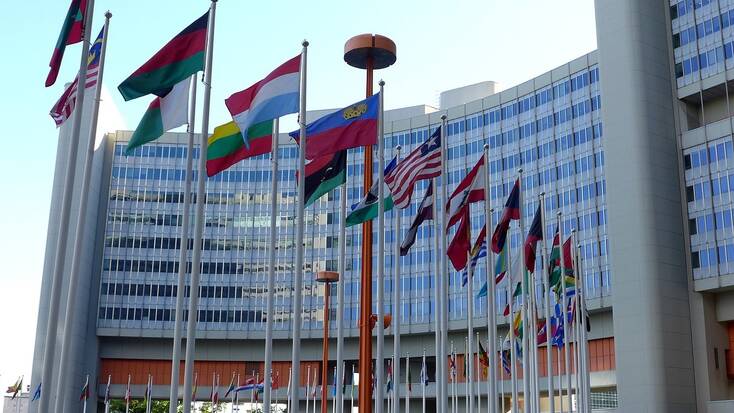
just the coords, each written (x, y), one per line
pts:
(368, 207)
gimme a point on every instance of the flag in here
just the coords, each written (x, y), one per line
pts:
(424, 162)
(425, 213)
(250, 384)
(517, 324)
(424, 372)
(531, 242)
(128, 395)
(163, 114)
(469, 190)
(148, 389)
(231, 387)
(483, 359)
(323, 175)
(368, 207)
(350, 127)
(274, 96)
(542, 335)
(71, 33)
(333, 389)
(177, 60)
(452, 365)
(62, 109)
(214, 396)
(410, 379)
(478, 252)
(107, 390)
(15, 388)
(511, 211)
(500, 269)
(85, 391)
(226, 146)
(389, 378)
(554, 266)
(460, 243)
(37, 393)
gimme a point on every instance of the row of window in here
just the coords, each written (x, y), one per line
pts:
(684, 7)
(171, 267)
(704, 60)
(709, 257)
(170, 290)
(209, 316)
(715, 153)
(711, 222)
(162, 151)
(167, 243)
(705, 28)
(703, 190)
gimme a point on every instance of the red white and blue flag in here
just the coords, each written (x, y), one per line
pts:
(350, 127)
(424, 162)
(511, 212)
(531, 242)
(470, 189)
(63, 108)
(276, 95)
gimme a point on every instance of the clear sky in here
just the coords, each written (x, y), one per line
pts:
(440, 45)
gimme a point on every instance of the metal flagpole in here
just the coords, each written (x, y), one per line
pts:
(560, 378)
(199, 221)
(407, 393)
(298, 282)
(288, 391)
(86, 386)
(236, 397)
(436, 256)
(340, 295)
(333, 399)
(183, 256)
(267, 379)
(564, 319)
(65, 363)
(453, 378)
(584, 326)
(68, 193)
(502, 380)
(524, 303)
(534, 343)
(397, 292)
(513, 347)
(479, 393)
(491, 297)
(443, 274)
(546, 307)
(351, 393)
(576, 323)
(380, 326)
(107, 394)
(470, 333)
(308, 386)
(467, 386)
(127, 396)
(424, 379)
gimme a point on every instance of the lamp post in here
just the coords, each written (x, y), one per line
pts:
(368, 52)
(326, 277)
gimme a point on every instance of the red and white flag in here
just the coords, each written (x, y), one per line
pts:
(424, 162)
(61, 111)
(470, 189)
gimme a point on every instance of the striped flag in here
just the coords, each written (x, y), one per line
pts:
(424, 162)
(469, 190)
(63, 108)
(478, 252)
(71, 33)
(425, 213)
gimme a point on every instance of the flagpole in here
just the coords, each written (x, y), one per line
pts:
(267, 380)
(467, 399)
(479, 376)
(379, 325)
(563, 311)
(340, 295)
(351, 393)
(65, 363)
(298, 282)
(308, 386)
(534, 342)
(511, 322)
(183, 255)
(502, 379)
(86, 386)
(470, 331)
(424, 379)
(580, 291)
(288, 392)
(64, 215)
(454, 376)
(127, 396)
(524, 303)
(436, 256)
(491, 297)
(407, 393)
(577, 323)
(333, 400)
(107, 394)
(546, 310)
(442, 274)
(397, 292)
(199, 221)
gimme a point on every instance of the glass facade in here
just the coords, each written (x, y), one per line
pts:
(554, 133)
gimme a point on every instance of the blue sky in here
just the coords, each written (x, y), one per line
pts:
(440, 45)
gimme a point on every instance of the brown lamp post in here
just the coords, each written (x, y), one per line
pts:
(368, 52)
(326, 277)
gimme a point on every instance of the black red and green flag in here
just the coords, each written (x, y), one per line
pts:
(226, 146)
(554, 267)
(324, 174)
(178, 59)
(71, 33)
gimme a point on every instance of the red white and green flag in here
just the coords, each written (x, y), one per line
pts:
(177, 60)
(163, 114)
(71, 33)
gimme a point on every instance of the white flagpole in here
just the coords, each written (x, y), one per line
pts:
(397, 293)
(407, 382)
(183, 255)
(107, 393)
(148, 393)
(315, 393)
(513, 348)
(442, 276)
(575, 321)
(333, 399)
(560, 379)
(469, 360)
(63, 397)
(479, 376)
(127, 396)
(564, 320)
(86, 386)
(466, 375)
(267, 383)
(236, 397)
(340, 365)
(50, 345)
(502, 380)
(584, 338)
(453, 378)
(534, 342)
(436, 255)
(287, 399)
(424, 378)
(379, 326)
(298, 282)
(199, 220)
(351, 393)
(491, 296)
(524, 303)
(546, 307)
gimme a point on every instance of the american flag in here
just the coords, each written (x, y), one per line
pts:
(63, 108)
(423, 163)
